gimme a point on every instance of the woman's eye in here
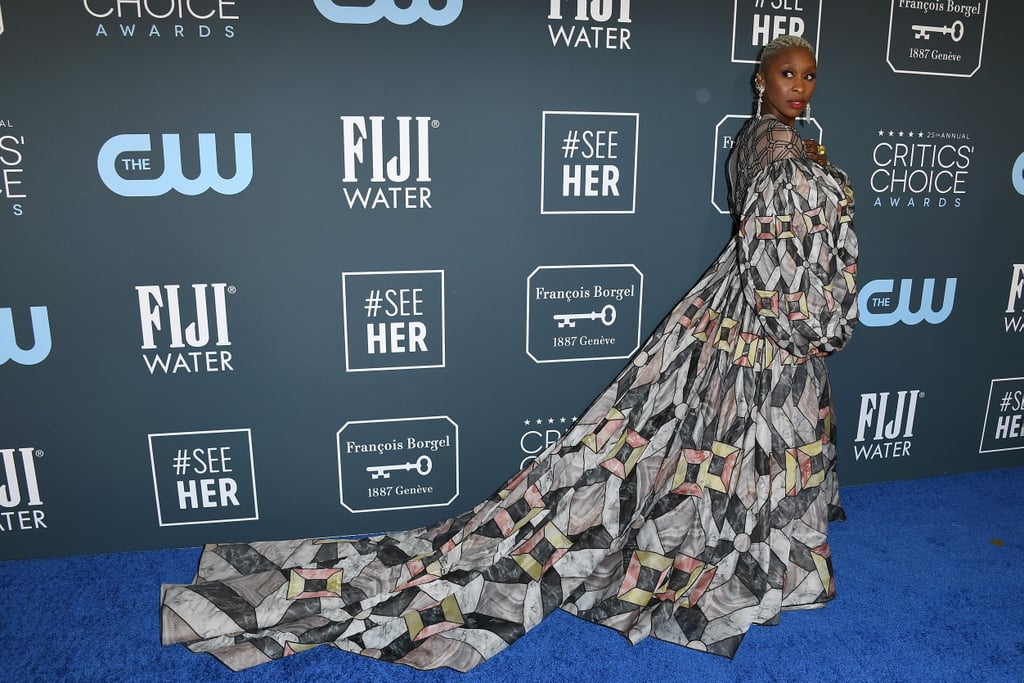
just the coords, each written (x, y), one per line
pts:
(810, 77)
(787, 74)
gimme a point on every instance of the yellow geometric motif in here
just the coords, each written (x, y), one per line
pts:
(596, 440)
(452, 619)
(820, 556)
(799, 470)
(298, 577)
(705, 479)
(553, 535)
(621, 469)
(768, 299)
(796, 306)
(706, 325)
(726, 337)
(629, 590)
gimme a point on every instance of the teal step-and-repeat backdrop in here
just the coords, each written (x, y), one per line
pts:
(278, 270)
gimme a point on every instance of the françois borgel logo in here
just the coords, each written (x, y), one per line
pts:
(400, 183)
(921, 169)
(183, 333)
(203, 477)
(1004, 416)
(756, 23)
(11, 349)
(20, 501)
(128, 166)
(885, 426)
(883, 303)
(12, 158)
(588, 162)
(398, 464)
(394, 320)
(401, 12)
(938, 38)
(590, 24)
(581, 313)
(725, 137)
(167, 19)
(1014, 320)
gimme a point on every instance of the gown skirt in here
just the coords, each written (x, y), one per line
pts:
(690, 501)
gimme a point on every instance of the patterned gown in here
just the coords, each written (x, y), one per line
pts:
(690, 501)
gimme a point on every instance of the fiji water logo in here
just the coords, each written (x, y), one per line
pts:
(1014, 319)
(882, 304)
(390, 10)
(396, 181)
(196, 346)
(885, 425)
(126, 166)
(11, 493)
(9, 347)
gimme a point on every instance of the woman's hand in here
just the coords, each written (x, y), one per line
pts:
(816, 152)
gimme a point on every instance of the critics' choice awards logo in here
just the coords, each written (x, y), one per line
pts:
(142, 19)
(936, 38)
(1014, 320)
(540, 433)
(400, 182)
(12, 167)
(398, 464)
(1004, 416)
(185, 332)
(590, 23)
(203, 477)
(756, 23)
(12, 350)
(883, 303)
(394, 320)
(885, 426)
(726, 130)
(128, 166)
(20, 502)
(588, 162)
(579, 313)
(917, 169)
(401, 12)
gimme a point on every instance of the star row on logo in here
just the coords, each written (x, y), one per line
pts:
(549, 420)
(900, 134)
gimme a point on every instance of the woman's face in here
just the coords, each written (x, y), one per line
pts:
(788, 80)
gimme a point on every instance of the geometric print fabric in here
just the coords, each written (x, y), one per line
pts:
(689, 502)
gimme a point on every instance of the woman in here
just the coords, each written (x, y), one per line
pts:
(690, 501)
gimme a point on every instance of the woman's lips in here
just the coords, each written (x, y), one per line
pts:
(796, 104)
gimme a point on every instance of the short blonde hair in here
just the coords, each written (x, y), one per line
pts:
(780, 44)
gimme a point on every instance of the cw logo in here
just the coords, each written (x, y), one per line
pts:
(389, 9)
(879, 294)
(9, 349)
(1018, 174)
(172, 178)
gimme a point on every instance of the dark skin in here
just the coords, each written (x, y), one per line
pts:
(789, 79)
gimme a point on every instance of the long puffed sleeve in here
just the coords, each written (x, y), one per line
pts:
(798, 256)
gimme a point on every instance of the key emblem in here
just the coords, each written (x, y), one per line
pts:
(956, 31)
(606, 316)
(423, 465)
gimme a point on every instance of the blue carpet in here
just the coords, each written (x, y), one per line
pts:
(930, 577)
